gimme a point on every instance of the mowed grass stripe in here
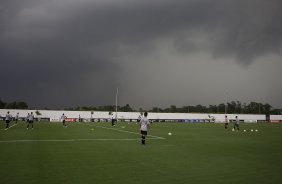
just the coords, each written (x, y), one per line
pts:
(66, 140)
(11, 126)
(46, 131)
(125, 131)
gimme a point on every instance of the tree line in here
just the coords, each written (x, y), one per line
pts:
(230, 108)
(13, 105)
(233, 107)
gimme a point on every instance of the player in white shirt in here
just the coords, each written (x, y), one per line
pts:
(237, 123)
(17, 118)
(79, 118)
(8, 119)
(113, 120)
(226, 122)
(63, 118)
(30, 120)
(144, 127)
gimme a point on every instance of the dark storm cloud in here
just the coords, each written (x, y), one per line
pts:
(66, 44)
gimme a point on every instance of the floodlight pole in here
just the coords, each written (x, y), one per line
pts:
(116, 102)
(226, 102)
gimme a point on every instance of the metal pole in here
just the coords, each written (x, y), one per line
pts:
(226, 103)
(116, 102)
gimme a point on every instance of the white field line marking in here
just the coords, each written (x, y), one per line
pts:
(152, 136)
(68, 140)
(11, 126)
(72, 140)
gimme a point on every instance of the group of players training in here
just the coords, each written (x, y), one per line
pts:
(144, 125)
(9, 118)
(236, 124)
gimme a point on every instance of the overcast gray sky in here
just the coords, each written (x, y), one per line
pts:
(67, 53)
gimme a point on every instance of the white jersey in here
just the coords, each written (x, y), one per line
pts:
(8, 117)
(144, 124)
(30, 117)
(226, 120)
(63, 117)
(237, 121)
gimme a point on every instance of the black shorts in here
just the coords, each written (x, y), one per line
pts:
(7, 121)
(143, 132)
(30, 121)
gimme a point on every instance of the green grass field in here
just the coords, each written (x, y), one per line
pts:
(99, 153)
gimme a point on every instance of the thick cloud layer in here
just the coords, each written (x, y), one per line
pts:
(76, 52)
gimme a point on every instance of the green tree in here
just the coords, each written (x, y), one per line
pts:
(2, 104)
(212, 109)
(238, 107)
(185, 109)
(231, 106)
(275, 111)
(173, 108)
(126, 108)
(22, 105)
(221, 108)
(199, 108)
(12, 105)
(266, 108)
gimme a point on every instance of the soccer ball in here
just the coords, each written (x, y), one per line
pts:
(169, 133)
(252, 130)
(244, 130)
(256, 130)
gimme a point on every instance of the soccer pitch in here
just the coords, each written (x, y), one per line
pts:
(99, 153)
